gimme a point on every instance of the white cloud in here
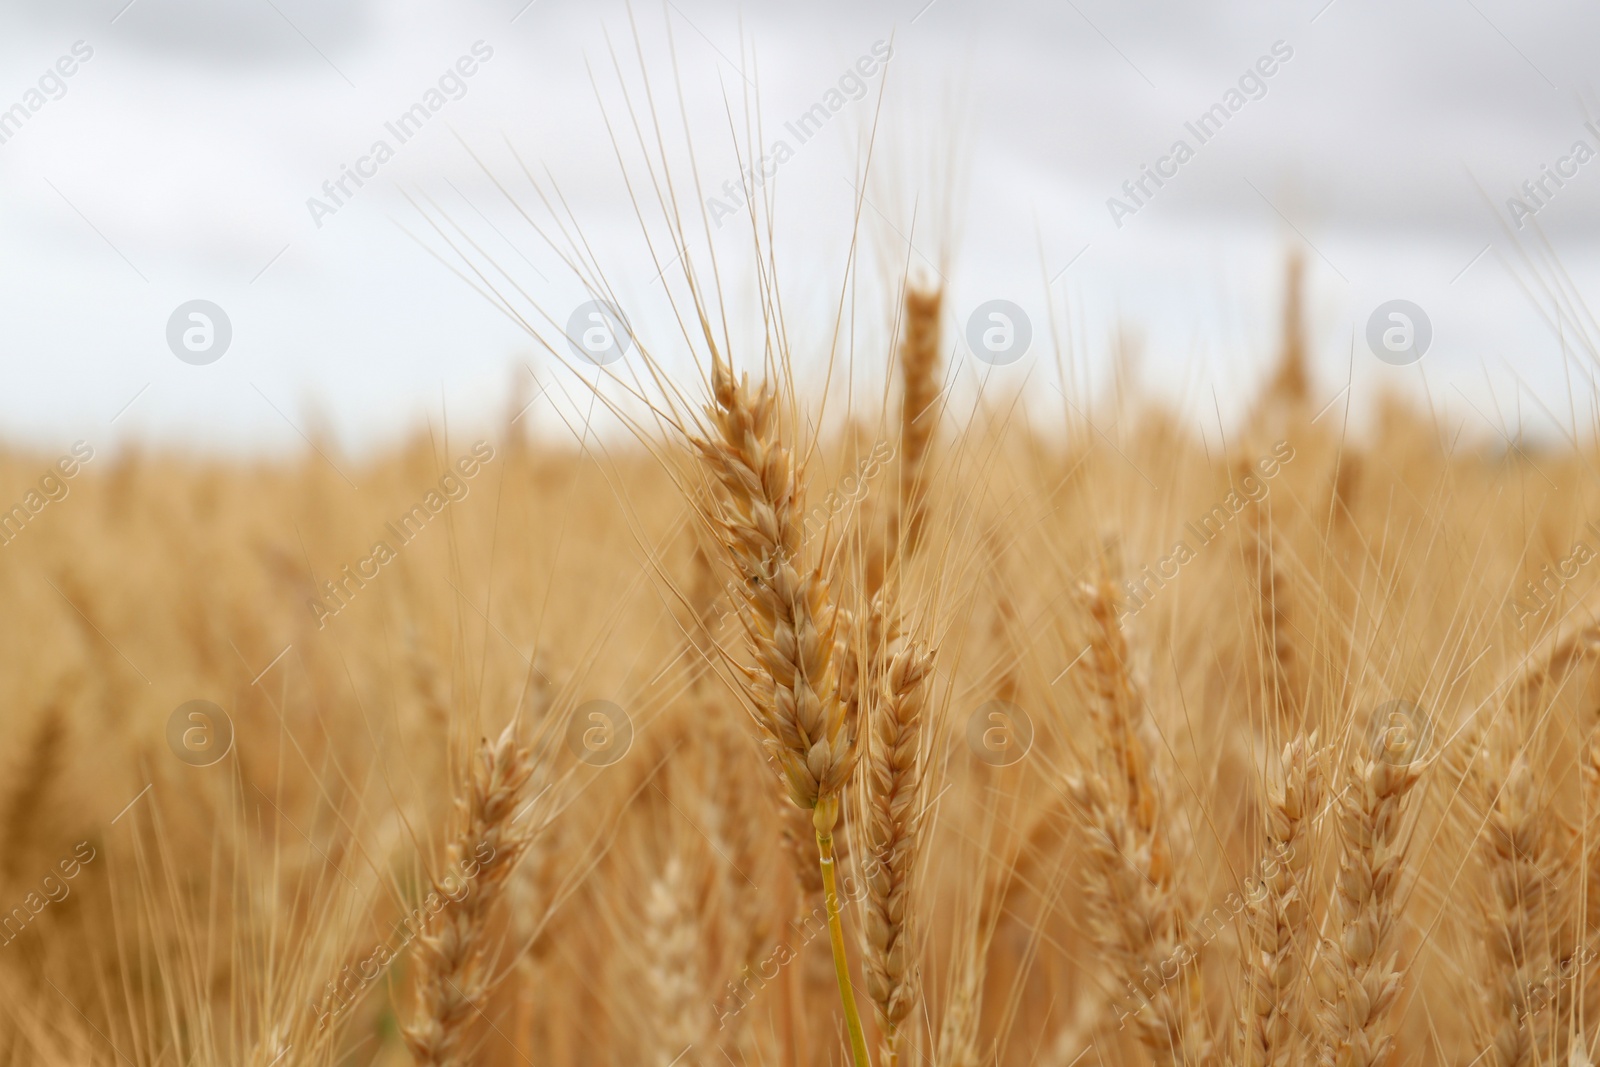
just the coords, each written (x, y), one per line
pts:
(189, 145)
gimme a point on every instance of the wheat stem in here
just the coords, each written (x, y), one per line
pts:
(841, 962)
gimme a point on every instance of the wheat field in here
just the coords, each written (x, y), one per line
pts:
(869, 721)
(520, 754)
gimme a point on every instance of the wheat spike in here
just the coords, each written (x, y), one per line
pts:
(1139, 910)
(452, 955)
(1278, 910)
(893, 824)
(1284, 682)
(1358, 981)
(672, 971)
(788, 615)
(1523, 912)
(790, 623)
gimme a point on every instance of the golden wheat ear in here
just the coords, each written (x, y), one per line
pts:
(454, 957)
(1278, 914)
(1356, 977)
(1283, 673)
(671, 940)
(1139, 912)
(755, 510)
(894, 831)
(1523, 914)
(754, 506)
(919, 378)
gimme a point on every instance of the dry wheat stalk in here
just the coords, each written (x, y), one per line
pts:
(1138, 921)
(31, 795)
(1278, 912)
(1139, 910)
(893, 825)
(799, 840)
(1357, 981)
(919, 369)
(537, 887)
(1531, 946)
(1589, 830)
(452, 955)
(742, 920)
(1573, 978)
(534, 894)
(1291, 382)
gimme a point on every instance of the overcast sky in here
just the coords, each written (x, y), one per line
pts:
(180, 158)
